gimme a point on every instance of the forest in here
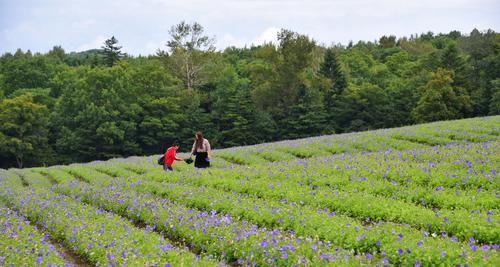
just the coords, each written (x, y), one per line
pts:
(59, 107)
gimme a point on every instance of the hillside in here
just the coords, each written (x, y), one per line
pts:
(417, 195)
(101, 104)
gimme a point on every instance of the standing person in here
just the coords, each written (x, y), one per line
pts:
(170, 157)
(201, 148)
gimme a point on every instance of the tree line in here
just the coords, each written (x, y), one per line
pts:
(60, 107)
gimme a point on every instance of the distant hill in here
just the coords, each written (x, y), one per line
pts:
(84, 57)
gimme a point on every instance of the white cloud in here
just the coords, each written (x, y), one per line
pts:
(229, 40)
(83, 24)
(270, 35)
(142, 26)
(267, 36)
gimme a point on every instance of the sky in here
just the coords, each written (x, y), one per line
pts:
(141, 26)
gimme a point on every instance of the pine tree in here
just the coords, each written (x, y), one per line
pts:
(111, 51)
(494, 106)
(331, 69)
(440, 100)
(308, 117)
(451, 59)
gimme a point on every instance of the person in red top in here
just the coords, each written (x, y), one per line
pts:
(170, 157)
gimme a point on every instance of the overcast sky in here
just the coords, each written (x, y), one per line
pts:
(141, 26)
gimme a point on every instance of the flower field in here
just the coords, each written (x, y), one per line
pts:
(423, 195)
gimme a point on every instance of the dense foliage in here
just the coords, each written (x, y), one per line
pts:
(63, 107)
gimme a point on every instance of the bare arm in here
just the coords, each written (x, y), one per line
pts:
(193, 149)
(209, 150)
(177, 158)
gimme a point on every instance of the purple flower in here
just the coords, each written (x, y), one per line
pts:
(314, 247)
(284, 255)
(478, 189)
(39, 260)
(494, 246)
(264, 243)
(417, 264)
(360, 237)
(166, 247)
(167, 265)
(408, 251)
(280, 220)
(368, 256)
(445, 219)
(443, 253)
(419, 243)
(485, 248)
(439, 188)
(400, 251)
(111, 258)
(472, 247)
(472, 240)
(385, 261)
(377, 243)
(400, 236)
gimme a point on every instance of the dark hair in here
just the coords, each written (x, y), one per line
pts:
(199, 140)
(175, 143)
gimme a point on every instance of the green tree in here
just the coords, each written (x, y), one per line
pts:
(196, 118)
(495, 97)
(440, 100)
(23, 131)
(57, 54)
(111, 51)
(363, 107)
(158, 96)
(331, 69)
(308, 117)
(387, 41)
(190, 53)
(23, 70)
(98, 115)
(451, 59)
(262, 71)
(233, 110)
(295, 56)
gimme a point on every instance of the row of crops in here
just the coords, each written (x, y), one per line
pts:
(420, 195)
